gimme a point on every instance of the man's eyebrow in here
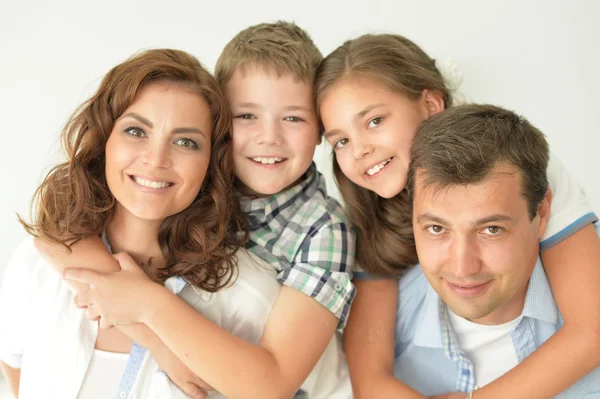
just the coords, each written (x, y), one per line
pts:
(493, 218)
(428, 217)
(139, 118)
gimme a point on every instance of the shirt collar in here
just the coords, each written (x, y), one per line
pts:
(261, 210)
(539, 304)
(428, 332)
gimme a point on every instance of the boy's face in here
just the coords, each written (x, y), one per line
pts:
(477, 244)
(275, 129)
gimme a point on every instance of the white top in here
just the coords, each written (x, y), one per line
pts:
(44, 334)
(103, 375)
(570, 209)
(39, 326)
(489, 347)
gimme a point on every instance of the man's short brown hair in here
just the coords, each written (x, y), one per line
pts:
(280, 47)
(461, 145)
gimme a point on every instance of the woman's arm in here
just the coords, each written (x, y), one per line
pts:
(13, 376)
(295, 336)
(573, 269)
(91, 253)
(369, 342)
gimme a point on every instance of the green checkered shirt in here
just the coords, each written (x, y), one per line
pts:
(304, 234)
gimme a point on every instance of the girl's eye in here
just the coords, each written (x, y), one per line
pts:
(135, 132)
(245, 116)
(293, 119)
(436, 229)
(187, 143)
(340, 143)
(492, 230)
(375, 122)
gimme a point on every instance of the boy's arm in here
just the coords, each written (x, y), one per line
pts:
(13, 376)
(573, 269)
(91, 253)
(369, 342)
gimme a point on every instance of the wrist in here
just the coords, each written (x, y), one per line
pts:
(158, 298)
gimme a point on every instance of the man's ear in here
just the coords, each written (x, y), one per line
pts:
(543, 212)
(433, 101)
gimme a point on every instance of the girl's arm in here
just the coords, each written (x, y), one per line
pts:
(13, 376)
(369, 342)
(573, 269)
(295, 336)
(91, 253)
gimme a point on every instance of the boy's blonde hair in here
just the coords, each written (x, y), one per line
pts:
(280, 47)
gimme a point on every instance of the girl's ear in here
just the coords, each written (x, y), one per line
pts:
(433, 101)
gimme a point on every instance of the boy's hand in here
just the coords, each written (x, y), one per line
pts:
(114, 298)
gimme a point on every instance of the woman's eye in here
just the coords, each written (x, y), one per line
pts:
(492, 230)
(340, 143)
(135, 132)
(187, 143)
(245, 116)
(375, 122)
(435, 229)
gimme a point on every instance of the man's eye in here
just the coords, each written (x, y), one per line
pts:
(135, 132)
(492, 230)
(435, 229)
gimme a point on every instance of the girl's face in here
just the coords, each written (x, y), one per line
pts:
(371, 129)
(158, 151)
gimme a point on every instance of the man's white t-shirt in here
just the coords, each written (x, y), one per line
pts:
(489, 347)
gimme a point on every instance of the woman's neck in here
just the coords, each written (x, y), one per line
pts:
(137, 237)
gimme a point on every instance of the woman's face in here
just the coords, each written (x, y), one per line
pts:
(158, 151)
(371, 129)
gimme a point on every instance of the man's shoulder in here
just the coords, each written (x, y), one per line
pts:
(412, 291)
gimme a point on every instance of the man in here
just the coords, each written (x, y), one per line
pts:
(480, 301)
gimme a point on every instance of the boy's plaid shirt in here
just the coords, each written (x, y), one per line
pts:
(303, 233)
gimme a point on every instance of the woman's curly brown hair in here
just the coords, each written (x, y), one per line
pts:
(74, 201)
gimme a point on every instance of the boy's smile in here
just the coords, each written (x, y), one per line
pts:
(275, 129)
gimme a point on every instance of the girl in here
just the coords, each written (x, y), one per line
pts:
(371, 140)
(149, 169)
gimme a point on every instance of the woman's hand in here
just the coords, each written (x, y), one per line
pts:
(114, 298)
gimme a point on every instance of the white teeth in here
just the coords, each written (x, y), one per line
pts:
(267, 161)
(378, 167)
(150, 183)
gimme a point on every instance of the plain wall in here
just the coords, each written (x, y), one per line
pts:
(539, 58)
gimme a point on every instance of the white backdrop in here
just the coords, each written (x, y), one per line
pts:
(539, 58)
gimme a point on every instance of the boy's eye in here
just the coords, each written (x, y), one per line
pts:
(135, 132)
(435, 229)
(375, 122)
(245, 116)
(340, 143)
(187, 143)
(293, 119)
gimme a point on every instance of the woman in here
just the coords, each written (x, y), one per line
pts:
(149, 169)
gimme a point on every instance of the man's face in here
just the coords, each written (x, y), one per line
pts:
(477, 244)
